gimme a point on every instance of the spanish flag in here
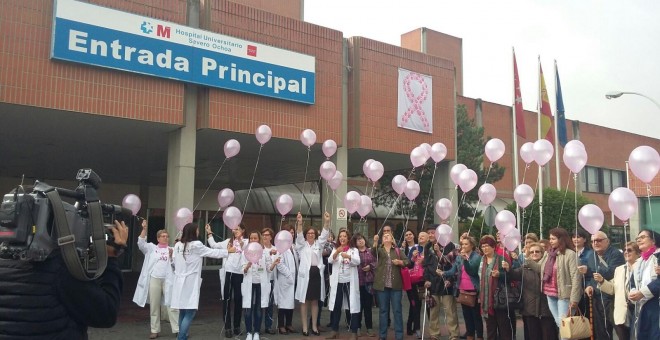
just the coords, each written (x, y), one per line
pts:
(545, 113)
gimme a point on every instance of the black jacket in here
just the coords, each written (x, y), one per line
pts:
(41, 300)
(444, 263)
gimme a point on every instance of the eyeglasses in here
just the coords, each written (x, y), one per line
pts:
(641, 237)
(628, 250)
(535, 252)
(598, 240)
(266, 234)
(164, 235)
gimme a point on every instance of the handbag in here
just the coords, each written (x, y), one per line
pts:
(467, 298)
(405, 275)
(417, 273)
(507, 296)
(575, 327)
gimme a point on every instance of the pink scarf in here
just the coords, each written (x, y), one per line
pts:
(162, 245)
(648, 253)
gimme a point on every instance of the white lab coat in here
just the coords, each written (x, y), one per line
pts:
(234, 258)
(141, 296)
(306, 252)
(352, 267)
(188, 273)
(285, 281)
(264, 282)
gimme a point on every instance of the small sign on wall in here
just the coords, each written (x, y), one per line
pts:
(342, 214)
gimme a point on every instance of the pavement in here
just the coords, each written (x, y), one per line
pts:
(133, 321)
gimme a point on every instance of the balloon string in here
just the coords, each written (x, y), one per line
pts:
(525, 172)
(327, 191)
(304, 180)
(209, 187)
(473, 216)
(426, 206)
(252, 181)
(479, 201)
(648, 196)
(216, 214)
(389, 212)
(281, 221)
(405, 226)
(531, 214)
(561, 210)
(457, 208)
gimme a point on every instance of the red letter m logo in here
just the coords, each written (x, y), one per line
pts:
(163, 31)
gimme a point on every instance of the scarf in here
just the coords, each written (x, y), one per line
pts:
(487, 284)
(162, 245)
(648, 253)
(549, 265)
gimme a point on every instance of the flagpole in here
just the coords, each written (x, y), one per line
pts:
(515, 137)
(540, 174)
(557, 144)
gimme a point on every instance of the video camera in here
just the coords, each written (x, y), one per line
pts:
(29, 229)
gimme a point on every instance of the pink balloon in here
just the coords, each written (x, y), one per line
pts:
(283, 241)
(438, 152)
(232, 217)
(418, 156)
(412, 189)
(182, 217)
(329, 148)
(308, 137)
(232, 147)
(443, 234)
(263, 134)
(527, 152)
(443, 208)
(225, 197)
(365, 206)
(505, 221)
(376, 170)
(623, 203)
(132, 202)
(253, 252)
(644, 162)
(591, 218)
(352, 201)
(284, 204)
(456, 171)
(365, 166)
(487, 193)
(399, 184)
(543, 151)
(467, 180)
(573, 143)
(327, 170)
(494, 149)
(523, 195)
(336, 180)
(575, 158)
(512, 240)
(426, 147)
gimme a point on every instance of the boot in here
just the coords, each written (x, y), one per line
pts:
(333, 335)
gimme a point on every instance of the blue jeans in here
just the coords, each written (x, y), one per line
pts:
(269, 310)
(253, 315)
(558, 308)
(385, 297)
(186, 317)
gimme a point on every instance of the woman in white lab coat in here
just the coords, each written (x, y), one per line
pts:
(231, 278)
(255, 288)
(284, 291)
(344, 284)
(310, 287)
(156, 271)
(188, 254)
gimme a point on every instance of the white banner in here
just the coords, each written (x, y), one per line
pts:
(415, 109)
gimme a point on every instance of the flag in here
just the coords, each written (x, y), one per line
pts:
(546, 113)
(561, 117)
(517, 106)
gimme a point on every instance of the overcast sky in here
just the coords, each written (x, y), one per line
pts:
(600, 46)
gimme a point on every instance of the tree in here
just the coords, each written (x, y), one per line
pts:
(470, 143)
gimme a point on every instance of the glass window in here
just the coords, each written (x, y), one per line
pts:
(607, 180)
(592, 179)
(583, 181)
(617, 179)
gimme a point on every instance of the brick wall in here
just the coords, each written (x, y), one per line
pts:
(287, 8)
(28, 76)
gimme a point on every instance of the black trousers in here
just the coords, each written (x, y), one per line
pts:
(603, 317)
(284, 317)
(414, 323)
(499, 327)
(473, 322)
(366, 303)
(343, 290)
(540, 328)
(232, 295)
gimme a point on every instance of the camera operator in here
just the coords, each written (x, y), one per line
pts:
(42, 300)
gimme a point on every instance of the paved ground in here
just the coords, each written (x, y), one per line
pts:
(133, 321)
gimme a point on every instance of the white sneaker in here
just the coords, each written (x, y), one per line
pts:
(249, 337)
(255, 336)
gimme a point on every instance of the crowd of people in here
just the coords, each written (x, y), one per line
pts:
(543, 281)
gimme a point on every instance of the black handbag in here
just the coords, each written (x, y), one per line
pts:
(508, 296)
